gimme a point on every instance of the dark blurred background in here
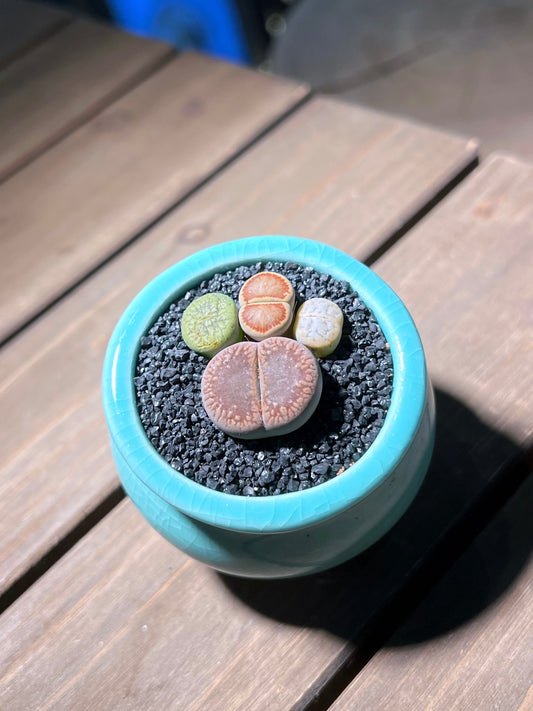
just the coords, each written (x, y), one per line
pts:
(462, 65)
(237, 30)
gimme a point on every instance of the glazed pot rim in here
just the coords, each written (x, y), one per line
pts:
(284, 512)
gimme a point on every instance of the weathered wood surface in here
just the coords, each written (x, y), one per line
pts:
(334, 172)
(52, 393)
(124, 621)
(489, 227)
(23, 25)
(84, 198)
(64, 81)
(486, 663)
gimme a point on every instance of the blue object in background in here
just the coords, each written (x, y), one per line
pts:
(210, 26)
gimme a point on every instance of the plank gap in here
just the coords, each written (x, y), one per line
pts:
(64, 544)
(90, 113)
(428, 573)
(138, 235)
(423, 212)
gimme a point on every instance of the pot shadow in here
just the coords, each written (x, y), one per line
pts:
(473, 470)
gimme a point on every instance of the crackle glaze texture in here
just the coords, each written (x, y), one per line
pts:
(295, 533)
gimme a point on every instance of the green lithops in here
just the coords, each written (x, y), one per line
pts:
(210, 324)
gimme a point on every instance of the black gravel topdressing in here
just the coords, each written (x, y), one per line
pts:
(357, 385)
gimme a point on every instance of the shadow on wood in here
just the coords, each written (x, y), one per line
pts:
(474, 470)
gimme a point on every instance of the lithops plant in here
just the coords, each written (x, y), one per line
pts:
(230, 389)
(290, 383)
(318, 325)
(256, 390)
(266, 303)
(210, 324)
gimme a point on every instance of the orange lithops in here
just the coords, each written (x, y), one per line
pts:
(266, 305)
(255, 390)
(266, 286)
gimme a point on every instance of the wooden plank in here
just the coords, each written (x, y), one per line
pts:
(357, 159)
(488, 226)
(122, 612)
(486, 663)
(23, 25)
(84, 198)
(63, 82)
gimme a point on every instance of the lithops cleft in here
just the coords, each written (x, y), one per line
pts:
(256, 390)
(266, 303)
(210, 324)
(318, 325)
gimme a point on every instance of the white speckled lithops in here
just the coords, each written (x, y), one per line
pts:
(318, 325)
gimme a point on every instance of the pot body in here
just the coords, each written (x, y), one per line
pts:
(305, 550)
(291, 534)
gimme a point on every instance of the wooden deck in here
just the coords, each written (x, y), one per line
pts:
(119, 158)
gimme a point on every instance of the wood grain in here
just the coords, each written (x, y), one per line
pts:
(84, 198)
(357, 158)
(477, 82)
(64, 81)
(486, 663)
(217, 632)
(333, 172)
(23, 25)
(488, 226)
(123, 621)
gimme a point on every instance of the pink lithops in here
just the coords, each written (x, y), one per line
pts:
(230, 389)
(266, 305)
(290, 383)
(255, 390)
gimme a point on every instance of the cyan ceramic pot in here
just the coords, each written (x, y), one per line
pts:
(295, 533)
